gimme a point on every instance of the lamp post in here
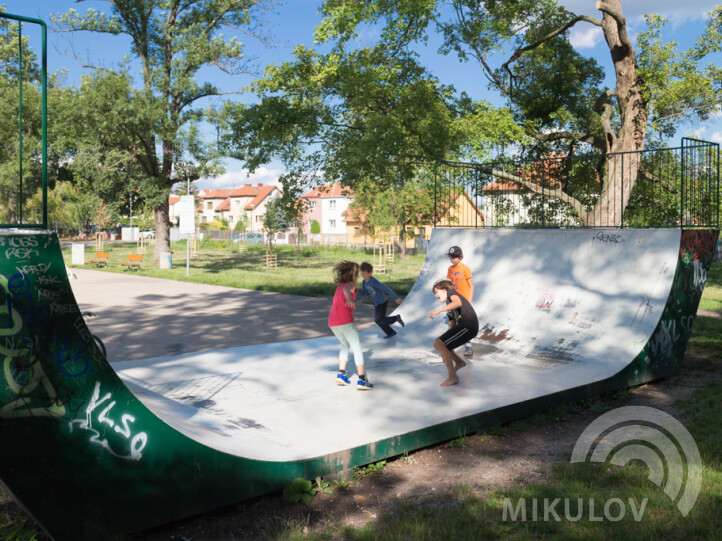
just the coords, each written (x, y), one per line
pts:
(188, 169)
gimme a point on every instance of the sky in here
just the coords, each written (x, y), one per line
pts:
(293, 21)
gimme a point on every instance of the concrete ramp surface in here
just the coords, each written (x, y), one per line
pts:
(564, 315)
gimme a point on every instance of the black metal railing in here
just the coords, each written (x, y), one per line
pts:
(655, 188)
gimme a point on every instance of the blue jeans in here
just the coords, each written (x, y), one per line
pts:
(382, 320)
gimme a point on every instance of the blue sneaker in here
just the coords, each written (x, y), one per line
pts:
(342, 379)
(364, 385)
(400, 321)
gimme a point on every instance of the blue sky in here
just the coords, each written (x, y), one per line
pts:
(293, 22)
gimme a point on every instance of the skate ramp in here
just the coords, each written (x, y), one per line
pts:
(564, 315)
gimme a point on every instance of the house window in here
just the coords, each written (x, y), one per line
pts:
(259, 219)
(332, 224)
(332, 204)
(312, 205)
(238, 204)
(209, 205)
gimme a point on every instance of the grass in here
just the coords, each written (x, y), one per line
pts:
(306, 273)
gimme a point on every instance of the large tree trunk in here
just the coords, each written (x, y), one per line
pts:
(621, 169)
(162, 231)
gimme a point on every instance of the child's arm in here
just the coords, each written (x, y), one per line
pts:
(348, 289)
(389, 292)
(471, 288)
(455, 303)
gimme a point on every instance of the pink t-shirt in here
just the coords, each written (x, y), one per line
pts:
(340, 314)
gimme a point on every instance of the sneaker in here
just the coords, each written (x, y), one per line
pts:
(342, 379)
(400, 321)
(389, 336)
(364, 385)
(468, 352)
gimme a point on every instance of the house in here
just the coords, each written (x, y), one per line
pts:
(210, 206)
(327, 205)
(507, 202)
(230, 205)
(174, 209)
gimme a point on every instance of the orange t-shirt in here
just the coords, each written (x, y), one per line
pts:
(459, 276)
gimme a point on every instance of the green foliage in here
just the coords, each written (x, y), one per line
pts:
(315, 227)
(359, 472)
(302, 489)
(243, 222)
(153, 128)
(217, 225)
(299, 490)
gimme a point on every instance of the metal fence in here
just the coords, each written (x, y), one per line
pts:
(24, 160)
(656, 188)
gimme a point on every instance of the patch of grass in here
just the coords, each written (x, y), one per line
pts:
(17, 528)
(359, 472)
(712, 297)
(307, 273)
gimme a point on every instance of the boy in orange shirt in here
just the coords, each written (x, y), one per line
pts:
(460, 275)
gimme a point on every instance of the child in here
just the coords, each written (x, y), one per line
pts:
(379, 296)
(463, 325)
(460, 275)
(341, 321)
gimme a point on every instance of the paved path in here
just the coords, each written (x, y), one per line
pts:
(140, 317)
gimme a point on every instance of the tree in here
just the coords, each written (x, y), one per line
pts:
(173, 40)
(363, 117)
(554, 93)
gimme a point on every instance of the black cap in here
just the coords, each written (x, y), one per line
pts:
(455, 251)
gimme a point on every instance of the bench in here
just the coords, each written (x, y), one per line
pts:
(133, 261)
(100, 258)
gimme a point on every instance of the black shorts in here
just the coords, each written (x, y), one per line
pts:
(458, 335)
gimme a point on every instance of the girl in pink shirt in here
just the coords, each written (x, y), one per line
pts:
(341, 321)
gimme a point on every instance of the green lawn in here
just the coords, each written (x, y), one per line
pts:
(307, 272)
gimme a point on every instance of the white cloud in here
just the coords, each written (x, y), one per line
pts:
(236, 179)
(585, 38)
(716, 137)
(635, 10)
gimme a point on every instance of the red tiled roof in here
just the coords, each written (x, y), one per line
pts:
(247, 190)
(335, 190)
(264, 192)
(225, 205)
(215, 194)
(173, 199)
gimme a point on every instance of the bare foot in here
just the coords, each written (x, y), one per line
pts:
(459, 366)
(449, 382)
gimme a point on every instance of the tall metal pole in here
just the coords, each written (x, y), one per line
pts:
(188, 239)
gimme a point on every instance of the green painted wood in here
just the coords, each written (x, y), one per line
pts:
(87, 459)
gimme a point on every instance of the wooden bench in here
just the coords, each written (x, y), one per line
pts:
(100, 258)
(133, 261)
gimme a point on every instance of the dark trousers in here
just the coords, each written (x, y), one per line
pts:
(382, 320)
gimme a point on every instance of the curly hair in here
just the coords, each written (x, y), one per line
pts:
(345, 271)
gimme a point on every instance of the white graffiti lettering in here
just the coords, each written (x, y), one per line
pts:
(48, 294)
(34, 269)
(62, 308)
(21, 253)
(137, 441)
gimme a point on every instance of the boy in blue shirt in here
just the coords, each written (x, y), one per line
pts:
(379, 296)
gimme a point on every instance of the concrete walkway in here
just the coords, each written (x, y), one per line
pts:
(140, 317)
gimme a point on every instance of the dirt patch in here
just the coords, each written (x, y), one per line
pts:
(523, 453)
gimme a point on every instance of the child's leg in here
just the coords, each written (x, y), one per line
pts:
(382, 320)
(447, 357)
(343, 353)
